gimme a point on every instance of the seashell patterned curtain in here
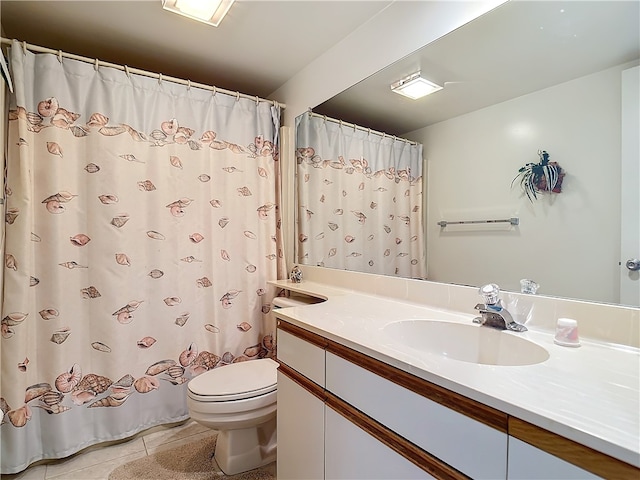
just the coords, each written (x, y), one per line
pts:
(141, 229)
(360, 202)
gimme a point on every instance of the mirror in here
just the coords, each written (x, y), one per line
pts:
(525, 77)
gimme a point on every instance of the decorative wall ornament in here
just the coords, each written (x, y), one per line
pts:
(541, 177)
(296, 274)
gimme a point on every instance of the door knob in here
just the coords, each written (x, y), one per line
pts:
(633, 264)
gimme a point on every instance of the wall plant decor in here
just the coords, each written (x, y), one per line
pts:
(541, 177)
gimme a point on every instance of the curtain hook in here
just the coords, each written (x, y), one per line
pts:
(60, 56)
(324, 118)
(340, 124)
(159, 79)
(188, 85)
(126, 70)
(368, 131)
(96, 65)
(257, 101)
(24, 47)
(383, 135)
(237, 96)
(213, 91)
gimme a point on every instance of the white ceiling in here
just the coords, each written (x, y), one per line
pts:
(518, 48)
(256, 49)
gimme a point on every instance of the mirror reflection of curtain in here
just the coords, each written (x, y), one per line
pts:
(141, 232)
(359, 199)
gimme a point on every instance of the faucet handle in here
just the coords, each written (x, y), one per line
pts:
(490, 293)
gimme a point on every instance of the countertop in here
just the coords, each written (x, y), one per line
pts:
(589, 394)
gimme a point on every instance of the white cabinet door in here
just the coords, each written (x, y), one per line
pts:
(302, 356)
(353, 454)
(527, 462)
(469, 446)
(300, 432)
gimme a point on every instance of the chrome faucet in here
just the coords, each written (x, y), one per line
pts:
(493, 313)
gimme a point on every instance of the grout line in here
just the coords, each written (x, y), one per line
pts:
(144, 442)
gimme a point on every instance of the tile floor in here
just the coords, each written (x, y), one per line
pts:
(97, 462)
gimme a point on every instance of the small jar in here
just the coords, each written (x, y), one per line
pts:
(567, 333)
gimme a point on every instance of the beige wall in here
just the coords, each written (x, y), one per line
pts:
(569, 242)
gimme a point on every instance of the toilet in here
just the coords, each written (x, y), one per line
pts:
(238, 400)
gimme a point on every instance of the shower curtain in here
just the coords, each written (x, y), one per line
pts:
(141, 229)
(359, 204)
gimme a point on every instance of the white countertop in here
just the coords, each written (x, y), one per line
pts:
(589, 394)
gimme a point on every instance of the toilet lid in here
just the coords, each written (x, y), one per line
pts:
(236, 381)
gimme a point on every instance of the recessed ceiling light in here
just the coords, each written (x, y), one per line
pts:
(207, 11)
(414, 86)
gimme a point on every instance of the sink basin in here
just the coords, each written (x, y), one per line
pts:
(466, 342)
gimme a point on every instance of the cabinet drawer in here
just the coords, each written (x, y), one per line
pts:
(302, 356)
(473, 447)
(526, 461)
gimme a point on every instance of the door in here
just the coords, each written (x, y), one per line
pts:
(630, 189)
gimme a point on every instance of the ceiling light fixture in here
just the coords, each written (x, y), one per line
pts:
(206, 11)
(414, 86)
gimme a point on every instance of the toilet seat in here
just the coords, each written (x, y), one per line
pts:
(238, 381)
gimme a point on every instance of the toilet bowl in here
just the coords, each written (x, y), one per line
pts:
(238, 400)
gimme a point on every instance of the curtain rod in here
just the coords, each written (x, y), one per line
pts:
(60, 54)
(358, 127)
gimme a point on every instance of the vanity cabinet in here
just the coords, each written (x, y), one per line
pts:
(317, 442)
(321, 435)
(345, 415)
(472, 447)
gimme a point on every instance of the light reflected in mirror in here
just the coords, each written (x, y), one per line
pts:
(525, 77)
